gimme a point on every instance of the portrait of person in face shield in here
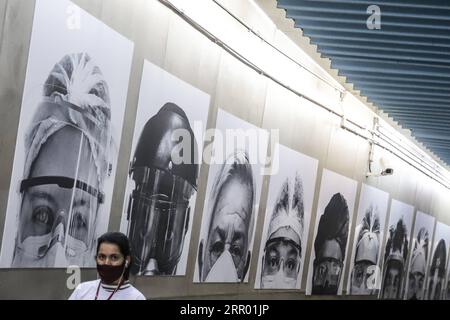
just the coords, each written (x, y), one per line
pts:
(447, 288)
(113, 259)
(417, 271)
(330, 246)
(66, 162)
(158, 209)
(436, 277)
(366, 256)
(224, 256)
(283, 249)
(395, 256)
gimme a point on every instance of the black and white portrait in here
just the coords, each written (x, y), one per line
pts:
(415, 285)
(396, 250)
(286, 225)
(163, 174)
(367, 241)
(230, 210)
(66, 150)
(333, 222)
(446, 295)
(438, 263)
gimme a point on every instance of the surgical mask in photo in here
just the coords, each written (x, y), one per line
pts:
(223, 269)
(278, 281)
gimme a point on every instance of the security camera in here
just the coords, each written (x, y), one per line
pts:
(385, 172)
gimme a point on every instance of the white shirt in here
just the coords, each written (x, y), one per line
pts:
(88, 290)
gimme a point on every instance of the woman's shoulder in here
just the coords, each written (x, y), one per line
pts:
(84, 290)
(137, 295)
(88, 284)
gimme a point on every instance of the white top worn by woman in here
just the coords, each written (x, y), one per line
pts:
(88, 291)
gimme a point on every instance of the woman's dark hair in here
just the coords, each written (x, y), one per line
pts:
(122, 242)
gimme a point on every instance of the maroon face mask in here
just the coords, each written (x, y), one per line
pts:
(109, 273)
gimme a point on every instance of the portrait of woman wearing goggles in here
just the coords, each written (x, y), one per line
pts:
(283, 249)
(66, 162)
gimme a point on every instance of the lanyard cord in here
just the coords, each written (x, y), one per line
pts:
(115, 290)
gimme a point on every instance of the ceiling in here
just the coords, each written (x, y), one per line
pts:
(402, 68)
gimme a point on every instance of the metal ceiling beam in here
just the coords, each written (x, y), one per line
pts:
(429, 92)
(362, 19)
(417, 124)
(434, 4)
(361, 28)
(338, 8)
(387, 103)
(388, 70)
(411, 106)
(420, 115)
(381, 77)
(443, 149)
(421, 134)
(389, 84)
(402, 67)
(407, 98)
(376, 38)
(436, 141)
(389, 47)
(437, 132)
(384, 55)
(432, 144)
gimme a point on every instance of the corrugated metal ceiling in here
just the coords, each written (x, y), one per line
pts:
(403, 68)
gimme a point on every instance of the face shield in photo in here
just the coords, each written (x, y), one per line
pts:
(60, 201)
(330, 246)
(159, 218)
(158, 212)
(366, 256)
(327, 270)
(395, 255)
(417, 272)
(436, 278)
(393, 279)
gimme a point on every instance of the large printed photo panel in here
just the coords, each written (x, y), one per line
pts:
(437, 267)
(415, 284)
(369, 231)
(286, 225)
(232, 201)
(331, 232)
(396, 253)
(162, 184)
(69, 133)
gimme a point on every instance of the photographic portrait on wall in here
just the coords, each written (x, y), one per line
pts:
(231, 205)
(368, 237)
(70, 126)
(396, 253)
(286, 225)
(165, 163)
(331, 233)
(438, 263)
(415, 282)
